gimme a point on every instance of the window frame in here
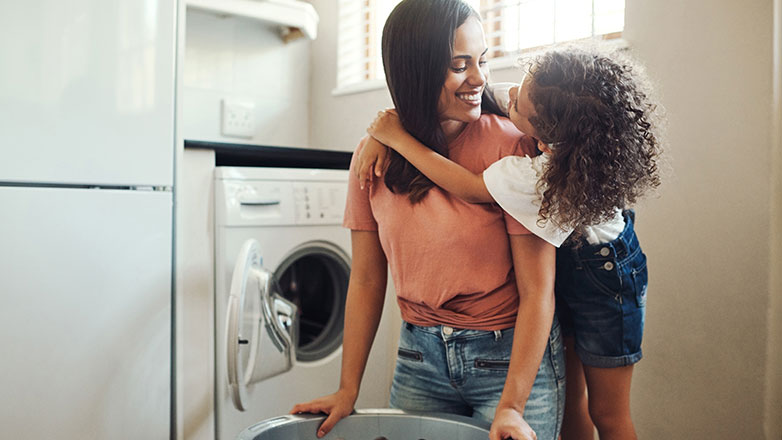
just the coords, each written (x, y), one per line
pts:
(615, 40)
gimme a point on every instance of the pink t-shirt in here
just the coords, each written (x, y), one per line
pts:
(450, 260)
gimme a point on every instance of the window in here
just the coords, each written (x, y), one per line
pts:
(515, 26)
(512, 27)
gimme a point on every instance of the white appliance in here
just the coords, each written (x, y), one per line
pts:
(86, 177)
(285, 223)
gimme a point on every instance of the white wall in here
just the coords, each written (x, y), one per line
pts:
(336, 123)
(707, 235)
(773, 400)
(243, 59)
(708, 353)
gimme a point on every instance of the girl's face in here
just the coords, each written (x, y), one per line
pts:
(460, 98)
(520, 109)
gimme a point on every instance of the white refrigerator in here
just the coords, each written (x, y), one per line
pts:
(86, 183)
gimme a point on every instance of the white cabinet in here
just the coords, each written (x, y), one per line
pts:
(87, 92)
(86, 314)
(86, 186)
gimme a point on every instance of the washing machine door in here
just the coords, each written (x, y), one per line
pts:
(261, 326)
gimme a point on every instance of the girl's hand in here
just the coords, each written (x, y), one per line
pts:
(509, 424)
(372, 158)
(387, 128)
(338, 406)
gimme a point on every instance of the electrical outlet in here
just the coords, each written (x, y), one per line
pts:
(238, 118)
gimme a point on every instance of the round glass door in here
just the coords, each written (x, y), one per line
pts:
(314, 277)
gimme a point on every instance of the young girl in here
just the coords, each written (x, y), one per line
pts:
(594, 125)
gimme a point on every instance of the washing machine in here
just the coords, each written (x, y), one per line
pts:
(282, 266)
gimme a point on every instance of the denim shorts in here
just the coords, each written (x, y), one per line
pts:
(443, 369)
(601, 298)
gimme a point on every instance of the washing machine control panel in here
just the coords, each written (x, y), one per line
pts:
(263, 203)
(319, 203)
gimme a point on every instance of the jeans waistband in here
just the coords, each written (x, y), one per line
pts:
(447, 332)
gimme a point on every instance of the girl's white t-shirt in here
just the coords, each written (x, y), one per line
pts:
(512, 182)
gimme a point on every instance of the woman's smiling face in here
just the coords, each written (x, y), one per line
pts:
(460, 98)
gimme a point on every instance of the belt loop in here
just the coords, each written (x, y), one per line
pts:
(497, 335)
(408, 326)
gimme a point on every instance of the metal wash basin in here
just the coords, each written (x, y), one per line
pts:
(371, 425)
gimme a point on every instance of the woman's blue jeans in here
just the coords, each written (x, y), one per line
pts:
(457, 371)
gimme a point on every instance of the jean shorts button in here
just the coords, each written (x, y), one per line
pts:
(604, 252)
(608, 266)
(447, 330)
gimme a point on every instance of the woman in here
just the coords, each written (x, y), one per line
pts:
(453, 263)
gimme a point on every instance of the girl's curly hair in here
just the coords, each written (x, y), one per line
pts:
(594, 111)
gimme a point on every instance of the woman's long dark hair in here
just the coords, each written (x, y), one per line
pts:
(417, 50)
(596, 110)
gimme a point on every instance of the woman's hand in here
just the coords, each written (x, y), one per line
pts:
(338, 406)
(372, 158)
(509, 424)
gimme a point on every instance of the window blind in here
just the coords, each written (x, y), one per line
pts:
(511, 27)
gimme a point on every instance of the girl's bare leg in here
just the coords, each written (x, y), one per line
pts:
(576, 424)
(609, 401)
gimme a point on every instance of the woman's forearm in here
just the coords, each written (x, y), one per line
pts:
(445, 173)
(534, 323)
(362, 315)
(534, 260)
(363, 308)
